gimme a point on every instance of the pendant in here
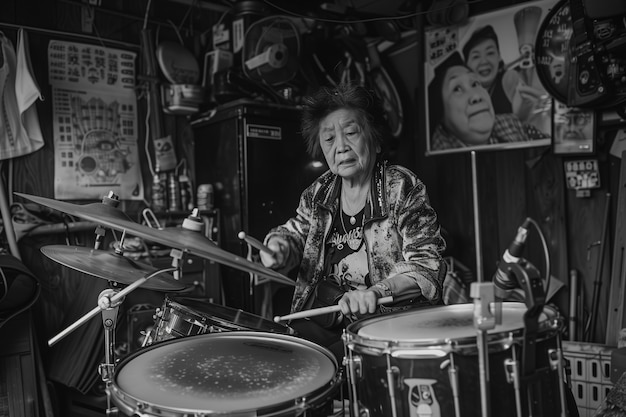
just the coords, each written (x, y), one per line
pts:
(352, 220)
(354, 244)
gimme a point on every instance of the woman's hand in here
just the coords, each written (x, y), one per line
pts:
(359, 302)
(280, 248)
(525, 101)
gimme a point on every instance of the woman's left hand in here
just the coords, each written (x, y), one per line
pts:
(359, 302)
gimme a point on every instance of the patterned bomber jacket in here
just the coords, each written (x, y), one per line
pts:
(401, 231)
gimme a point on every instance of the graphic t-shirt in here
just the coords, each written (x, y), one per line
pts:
(348, 252)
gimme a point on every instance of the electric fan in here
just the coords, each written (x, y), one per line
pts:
(271, 51)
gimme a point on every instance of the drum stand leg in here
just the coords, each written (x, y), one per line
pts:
(350, 363)
(391, 382)
(453, 376)
(556, 362)
(109, 321)
(512, 376)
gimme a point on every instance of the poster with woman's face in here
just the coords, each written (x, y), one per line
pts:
(482, 89)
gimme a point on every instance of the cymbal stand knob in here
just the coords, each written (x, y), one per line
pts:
(100, 232)
(176, 255)
(111, 199)
(193, 222)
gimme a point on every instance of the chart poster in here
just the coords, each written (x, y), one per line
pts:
(95, 122)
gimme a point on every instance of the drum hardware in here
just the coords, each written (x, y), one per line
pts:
(512, 377)
(453, 376)
(106, 299)
(529, 279)
(108, 304)
(484, 320)
(109, 321)
(353, 364)
(392, 372)
(185, 239)
(556, 363)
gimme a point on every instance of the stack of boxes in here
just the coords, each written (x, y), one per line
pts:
(590, 366)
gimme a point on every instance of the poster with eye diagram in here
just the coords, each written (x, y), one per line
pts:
(94, 122)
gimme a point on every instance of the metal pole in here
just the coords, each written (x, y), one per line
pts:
(479, 256)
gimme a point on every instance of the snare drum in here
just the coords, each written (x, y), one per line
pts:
(185, 316)
(426, 362)
(228, 374)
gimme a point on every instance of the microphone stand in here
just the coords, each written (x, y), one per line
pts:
(529, 279)
(484, 320)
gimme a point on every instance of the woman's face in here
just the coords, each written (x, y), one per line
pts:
(348, 149)
(484, 60)
(468, 112)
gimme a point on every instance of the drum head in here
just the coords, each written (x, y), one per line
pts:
(437, 325)
(229, 318)
(234, 372)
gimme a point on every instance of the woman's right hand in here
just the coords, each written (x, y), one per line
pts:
(280, 247)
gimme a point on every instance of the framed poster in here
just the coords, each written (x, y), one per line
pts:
(482, 89)
(574, 129)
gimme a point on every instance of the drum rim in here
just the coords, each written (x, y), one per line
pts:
(295, 403)
(361, 343)
(270, 326)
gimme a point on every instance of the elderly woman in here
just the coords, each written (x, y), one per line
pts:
(363, 230)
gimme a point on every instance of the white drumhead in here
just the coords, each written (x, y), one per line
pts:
(438, 323)
(226, 372)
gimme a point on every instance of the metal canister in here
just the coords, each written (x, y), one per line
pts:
(159, 193)
(173, 192)
(205, 197)
(186, 197)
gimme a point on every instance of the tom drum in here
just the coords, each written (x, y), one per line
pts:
(186, 316)
(426, 362)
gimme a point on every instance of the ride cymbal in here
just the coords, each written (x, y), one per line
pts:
(111, 266)
(98, 210)
(187, 240)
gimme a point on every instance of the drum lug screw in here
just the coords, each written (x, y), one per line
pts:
(355, 364)
(554, 357)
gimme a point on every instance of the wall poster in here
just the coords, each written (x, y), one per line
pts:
(482, 88)
(95, 122)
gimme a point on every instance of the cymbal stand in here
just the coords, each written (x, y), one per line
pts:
(483, 295)
(109, 321)
(102, 304)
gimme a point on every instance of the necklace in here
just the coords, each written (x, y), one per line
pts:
(354, 238)
(353, 217)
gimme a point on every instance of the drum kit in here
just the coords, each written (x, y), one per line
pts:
(203, 359)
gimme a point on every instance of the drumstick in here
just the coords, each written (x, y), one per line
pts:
(255, 243)
(322, 310)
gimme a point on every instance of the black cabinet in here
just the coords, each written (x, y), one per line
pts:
(256, 160)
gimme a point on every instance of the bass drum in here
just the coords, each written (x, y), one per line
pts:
(187, 316)
(425, 362)
(228, 374)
